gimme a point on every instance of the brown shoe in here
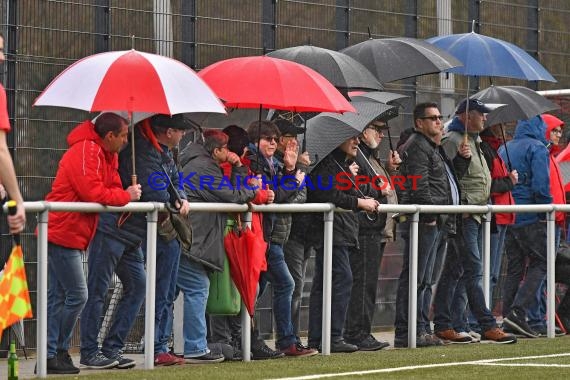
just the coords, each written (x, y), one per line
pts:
(452, 336)
(496, 335)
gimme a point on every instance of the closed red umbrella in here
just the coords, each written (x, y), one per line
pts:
(245, 249)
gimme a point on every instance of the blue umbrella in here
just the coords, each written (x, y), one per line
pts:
(487, 56)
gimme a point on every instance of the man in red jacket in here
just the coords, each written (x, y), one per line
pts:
(87, 173)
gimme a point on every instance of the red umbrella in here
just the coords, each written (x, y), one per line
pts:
(265, 82)
(246, 249)
(130, 81)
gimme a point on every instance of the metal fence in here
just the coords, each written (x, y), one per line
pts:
(42, 37)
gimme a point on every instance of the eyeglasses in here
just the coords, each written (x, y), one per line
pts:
(557, 131)
(270, 138)
(432, 117)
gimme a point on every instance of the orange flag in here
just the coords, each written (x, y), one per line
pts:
(14, 296)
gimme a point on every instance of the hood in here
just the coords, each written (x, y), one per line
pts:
(534, 128)
(490, 139)
(82, 132)
(551, 123)
(190, 152)
(456, 126)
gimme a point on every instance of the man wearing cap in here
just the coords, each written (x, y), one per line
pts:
(373, 234)
(117, 244)
(87, 172)
(462, 272)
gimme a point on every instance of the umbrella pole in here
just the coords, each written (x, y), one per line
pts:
(465, 135)
(304, 146)
(506, 150)
(390, 138)
(132, 127)
(259, 166)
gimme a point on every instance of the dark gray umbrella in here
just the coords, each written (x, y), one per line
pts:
(327, 131)
(342, 71)
(392, 59)
(521, 103)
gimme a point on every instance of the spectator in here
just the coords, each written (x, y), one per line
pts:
(460, 281)
(345, 240)
(526, 239)
(502, 183)
(554, 126)
(207, 251)
(436, 184)
(372, 236)
(276, 228)
(16, 222)
(297, 249)
(87, 173)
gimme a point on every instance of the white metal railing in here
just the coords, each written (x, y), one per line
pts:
(152, 209)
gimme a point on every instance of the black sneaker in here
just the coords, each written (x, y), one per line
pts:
(124, 363)
(263, 352)
(370, 344)
(542, 331)
(98, 361)
(54, 367)
(341, 346)
(64, 360)
(209, 358)
(518, 323)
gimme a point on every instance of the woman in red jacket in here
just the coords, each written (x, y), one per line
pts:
(87, 172)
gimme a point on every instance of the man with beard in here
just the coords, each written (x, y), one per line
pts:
(372, 236)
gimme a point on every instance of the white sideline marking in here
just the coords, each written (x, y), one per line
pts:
(452, 364)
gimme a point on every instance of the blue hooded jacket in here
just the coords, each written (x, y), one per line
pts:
(529, 157)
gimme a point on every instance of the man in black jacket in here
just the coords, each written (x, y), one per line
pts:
(365, 265)
(345, 240)
(430, 181)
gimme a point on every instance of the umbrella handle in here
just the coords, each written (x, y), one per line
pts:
(133, 179)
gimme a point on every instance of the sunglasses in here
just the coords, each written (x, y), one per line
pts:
(433, 117)
(270, 138)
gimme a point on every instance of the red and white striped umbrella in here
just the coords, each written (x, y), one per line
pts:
(130, 81)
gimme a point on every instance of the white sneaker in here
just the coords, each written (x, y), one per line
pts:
(463, 334)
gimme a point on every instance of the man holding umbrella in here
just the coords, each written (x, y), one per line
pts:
(87, 172)
(372, 236)
(460, 280)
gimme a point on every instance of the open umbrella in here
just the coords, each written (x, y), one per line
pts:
(487, 56)
(343, 71)
(327, 131)
(393, 59)
(386, 98)
(521, 103)
(130, 81)
(266, 82)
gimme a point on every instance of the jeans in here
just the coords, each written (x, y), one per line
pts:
(461, 281)
(497, 249)
(297, 255)
(107, 255)
(537, 311)
(427, 240)
(282, 285)
(521, 243)
(194, 282)
(365, 266)
(433, 273)
(167, 259)
(67, 294)
(341, 287)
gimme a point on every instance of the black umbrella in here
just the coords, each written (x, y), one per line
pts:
(327, 131)
(344, 72)
(521, 103)
(393, 59)
(386, 98)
